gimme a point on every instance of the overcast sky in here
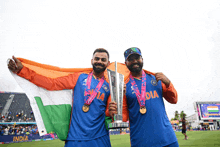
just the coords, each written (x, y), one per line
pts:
(179, 38)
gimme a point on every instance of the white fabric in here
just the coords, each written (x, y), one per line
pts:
(48, 98)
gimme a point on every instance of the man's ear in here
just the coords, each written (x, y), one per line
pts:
(125, 62)
(108, 63)
(91, 61)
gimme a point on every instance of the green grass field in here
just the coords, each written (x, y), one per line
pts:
(196, 139)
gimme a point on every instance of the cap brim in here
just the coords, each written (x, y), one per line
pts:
(132, 54)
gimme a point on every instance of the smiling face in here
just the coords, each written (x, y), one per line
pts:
(134, 63)
(100, 62)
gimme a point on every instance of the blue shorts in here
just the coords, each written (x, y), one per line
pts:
(103, 141)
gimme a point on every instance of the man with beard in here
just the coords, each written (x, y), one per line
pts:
(91, 95)
(143, 104)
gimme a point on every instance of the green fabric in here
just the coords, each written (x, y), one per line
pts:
(56, 118)
(213, 110)
(107, 121)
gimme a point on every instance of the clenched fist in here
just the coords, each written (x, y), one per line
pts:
(15, 65)
(163, 78)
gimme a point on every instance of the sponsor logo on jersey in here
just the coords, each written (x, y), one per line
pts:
(132, 90)
(84, 81)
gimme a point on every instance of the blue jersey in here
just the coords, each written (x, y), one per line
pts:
(153, 128)
(88, 125)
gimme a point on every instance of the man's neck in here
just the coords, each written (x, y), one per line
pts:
(136, 75)
(98, 75)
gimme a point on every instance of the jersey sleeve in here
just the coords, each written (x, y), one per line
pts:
(107, 106)
(170, 93)
(125, 113)
(60, 83)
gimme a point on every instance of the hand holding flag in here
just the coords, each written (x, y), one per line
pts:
(15, 65)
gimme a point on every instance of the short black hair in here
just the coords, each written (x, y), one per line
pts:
(101, 50)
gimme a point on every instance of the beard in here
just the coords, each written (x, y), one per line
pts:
(98, 69)
(135, 70)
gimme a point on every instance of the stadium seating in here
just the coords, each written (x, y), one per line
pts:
(19, 104)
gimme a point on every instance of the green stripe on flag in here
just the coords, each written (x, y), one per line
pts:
(213, 110)
(56, 118)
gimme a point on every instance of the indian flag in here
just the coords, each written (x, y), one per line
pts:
(212, 109)
(52, 109)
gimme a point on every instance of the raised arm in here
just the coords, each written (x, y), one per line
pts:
(65, 82)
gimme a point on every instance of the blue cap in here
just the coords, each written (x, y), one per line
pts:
(132, 50)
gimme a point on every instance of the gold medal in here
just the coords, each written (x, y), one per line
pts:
(143, 110)
(85, 108)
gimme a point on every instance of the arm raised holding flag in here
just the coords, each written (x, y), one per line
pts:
(15, 65)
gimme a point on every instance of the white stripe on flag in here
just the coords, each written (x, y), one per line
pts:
(213, 108)
(48, 98)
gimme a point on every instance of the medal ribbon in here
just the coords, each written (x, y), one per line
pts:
(140, 97)
(89, 98)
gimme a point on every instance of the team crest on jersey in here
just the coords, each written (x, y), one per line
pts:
(154, 82)
(105, 87)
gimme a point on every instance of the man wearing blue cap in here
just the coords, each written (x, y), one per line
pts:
(143, 104)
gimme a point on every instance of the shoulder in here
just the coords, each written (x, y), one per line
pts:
(82, 74)
(150, 76)
(127, 80)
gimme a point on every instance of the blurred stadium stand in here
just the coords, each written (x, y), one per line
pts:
(15, 107)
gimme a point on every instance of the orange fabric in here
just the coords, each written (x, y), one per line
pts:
(125, 113)
(51, 77)
(121, 68)
(55, 72)
(52, 71)
(170, 93)
(59, 83)
(107, 106)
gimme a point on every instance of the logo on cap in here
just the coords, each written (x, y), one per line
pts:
(133, 50)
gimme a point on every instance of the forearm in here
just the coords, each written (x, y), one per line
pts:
(170, 93)
(66, 82)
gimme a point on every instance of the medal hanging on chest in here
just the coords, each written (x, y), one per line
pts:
(140, 96)
(89, 98)
(85, 108)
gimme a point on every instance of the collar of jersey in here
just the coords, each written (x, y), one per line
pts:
(137, 78)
